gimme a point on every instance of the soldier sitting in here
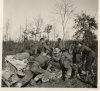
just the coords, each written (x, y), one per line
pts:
(38, 66)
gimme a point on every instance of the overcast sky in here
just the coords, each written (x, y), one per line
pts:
(17, 11)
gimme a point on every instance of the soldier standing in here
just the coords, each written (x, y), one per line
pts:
(76, 58)
(59, 44)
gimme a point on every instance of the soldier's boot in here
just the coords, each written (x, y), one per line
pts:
(68, 73)
(63, 75)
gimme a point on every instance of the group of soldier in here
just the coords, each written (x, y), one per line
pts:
(82, 57)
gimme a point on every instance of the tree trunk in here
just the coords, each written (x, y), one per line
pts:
(35, 37)
(54, 34)
(63, 32)
(48, 36)
(40, 36)
(63, 36)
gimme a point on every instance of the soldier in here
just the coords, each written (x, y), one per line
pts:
(64, 59)
(88, 57)
(56, 55)
(43, 47)
(39, 66)
(65, 63)
(59, 44)
(76, 59)
(47, 46)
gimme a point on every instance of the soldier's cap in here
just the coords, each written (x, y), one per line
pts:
(80, 42)
(75, 42)
(41, 39)
(63, 50)
(59, 38)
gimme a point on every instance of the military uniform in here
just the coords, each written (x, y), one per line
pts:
(64, 59)
(65, 62)
(38, 67)
(88, 55)
(43, 48)
(60, 45)
(76, 59)
(40, 64)
(76, 55)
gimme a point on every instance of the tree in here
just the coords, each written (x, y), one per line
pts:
(7, 27)
(33, 29)
(25, 33)
(44, 36)
(64, 10)
(37, 27)
(54, 30)
(48, 29)
(85, 26)
(33, 33)
(54, 33)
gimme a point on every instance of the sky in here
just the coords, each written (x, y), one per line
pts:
(18, 11)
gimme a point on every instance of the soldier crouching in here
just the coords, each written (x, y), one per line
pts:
(65, 63)
(64, 59)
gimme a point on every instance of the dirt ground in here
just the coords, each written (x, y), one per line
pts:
(71, 83)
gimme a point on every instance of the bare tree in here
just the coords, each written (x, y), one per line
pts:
(44, 36)
(26, 32)
(48, 29)
(64, 10)
(54, 30)
(54, 33)
(37, 27)
(57, 36)
(7, 26)
(33, 29)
